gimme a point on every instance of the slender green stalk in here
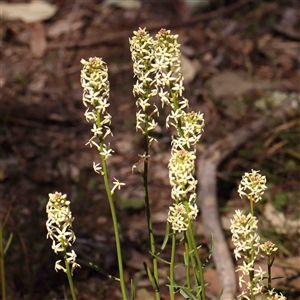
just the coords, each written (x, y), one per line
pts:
(115, 224)
(69, 275)
(269, 248)
(172, 266)
(251, 279)
(195, 256)
(252, 207)
(3, 282)
(187, 264)
(269, 273)
(190, 254)
(252, 256)
(147, 203)
(151, 235)
(2, 255)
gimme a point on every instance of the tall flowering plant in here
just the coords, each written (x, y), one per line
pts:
(142, 53)
(157, 67)
(246, 240)
(157, 70)
(59, 227)
(189, 127)
(94, 80)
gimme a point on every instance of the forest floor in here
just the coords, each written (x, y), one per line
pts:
(235, 56)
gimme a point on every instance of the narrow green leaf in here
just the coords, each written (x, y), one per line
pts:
(219, 297)
(132, 289)
(95, 267)
(166, 238)
(278, 277)
(271, 263)
(187, 294)
(210, 252)
(150, 276)
(160, 259)
(8, 243)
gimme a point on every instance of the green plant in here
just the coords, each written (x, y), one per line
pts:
(157, 69)
(59, 227)
(3, 250)
(247, 244)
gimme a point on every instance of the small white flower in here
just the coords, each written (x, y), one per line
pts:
(57, 247)
(245, 268)
(98, 131)
(105, 152)
(117, 185)
(272, 295)
(97, 168)
(58, 266)
(193, 211)
(71, 256)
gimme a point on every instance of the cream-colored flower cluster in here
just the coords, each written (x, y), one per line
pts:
(252, 186)
(189, 126)
(268, 248)
(181, 169)
(256, 286)
(94, 80)
(247, 244)
(272, 295)
(59, 227)
(244, 235)
(169, 79)
(142, 53)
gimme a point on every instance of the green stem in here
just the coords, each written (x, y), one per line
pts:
(251, 207)
(3, 284)
(187, 264)
(269, 273)
(115, 226)
(148, 211)
(175, 108)
(196, 260)
(172, 266)
(251, 273)
(251, 278)
(69, 275)
(113, 214)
